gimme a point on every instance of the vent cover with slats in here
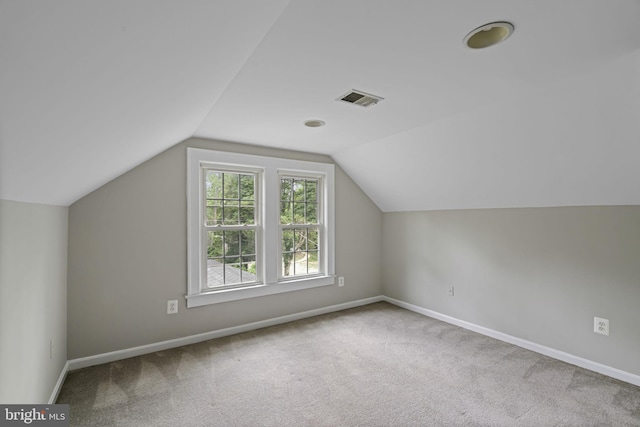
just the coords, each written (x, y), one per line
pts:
(360, 98)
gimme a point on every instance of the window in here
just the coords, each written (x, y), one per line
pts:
(299, 226)
(257, 226)
(230, 213)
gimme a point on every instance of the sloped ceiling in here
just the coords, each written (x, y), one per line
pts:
(550, 117)
(91, 89)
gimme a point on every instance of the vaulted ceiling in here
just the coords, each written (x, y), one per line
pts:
(549, 117)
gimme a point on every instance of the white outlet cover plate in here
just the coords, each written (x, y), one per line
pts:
(172, 306)
(601, 326)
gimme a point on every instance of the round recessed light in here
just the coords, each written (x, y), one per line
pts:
(314, 123)
(488, 35)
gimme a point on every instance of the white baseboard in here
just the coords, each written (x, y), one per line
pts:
(98, 359)
(556, 354)
(58, 386)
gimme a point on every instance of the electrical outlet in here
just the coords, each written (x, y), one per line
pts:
(340, 281)
(601, 326)
(172, 306)
(450, 291)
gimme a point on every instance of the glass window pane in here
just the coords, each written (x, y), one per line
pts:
(287, 240)
(247, 216)
(312, 262)
(298, 213)
(248, 273)
(231, 213)
(287, 264)
(213, 184)
(300, 266)
(285, 189)
(210, 216)
(298, 190)
(248, 242)
(231, 186)
(311, 191)
(231, 244)
(215, 244)
(285, 213)
(229, 269)
(231, 191)
(215, 272)
(213, 212)
(312, 213)
(300, 235)
(232, 274)
(247, 183)
(300, 252)
(312, 239)
(218, 215)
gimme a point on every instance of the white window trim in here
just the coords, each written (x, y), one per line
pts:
(271, 168)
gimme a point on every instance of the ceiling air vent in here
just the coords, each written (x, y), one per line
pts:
(360, 98)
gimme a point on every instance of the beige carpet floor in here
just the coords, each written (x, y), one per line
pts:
(377, 365)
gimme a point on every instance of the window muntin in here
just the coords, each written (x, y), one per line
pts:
(300, 252)
(230, 227)
(230, 198)
(231, 257)
(300, 226)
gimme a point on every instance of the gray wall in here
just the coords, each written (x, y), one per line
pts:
(539, 274)
(127, 257)
(33, 300)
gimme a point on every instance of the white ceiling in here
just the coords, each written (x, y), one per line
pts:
(550, 117)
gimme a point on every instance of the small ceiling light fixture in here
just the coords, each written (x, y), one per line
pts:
(314, 123)
(488, 35)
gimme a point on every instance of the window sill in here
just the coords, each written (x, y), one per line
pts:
(234, 294)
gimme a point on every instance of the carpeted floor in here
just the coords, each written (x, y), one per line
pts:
(377, 365)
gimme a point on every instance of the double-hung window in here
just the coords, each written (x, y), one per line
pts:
(257, 225)
(300, 226)
(230, 227)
